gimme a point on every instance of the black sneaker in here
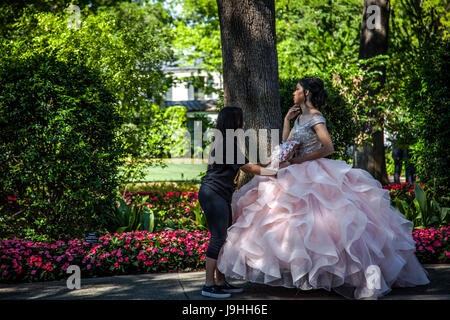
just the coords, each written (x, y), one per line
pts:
(214, 291)
(226, 287)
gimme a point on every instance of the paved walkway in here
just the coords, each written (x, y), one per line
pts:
(186, 286)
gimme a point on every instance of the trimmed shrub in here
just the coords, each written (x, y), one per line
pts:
(59, 154)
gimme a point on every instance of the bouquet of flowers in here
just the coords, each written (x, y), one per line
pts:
(283, 152)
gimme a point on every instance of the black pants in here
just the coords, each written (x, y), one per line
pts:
(218, 216)
(398, 155)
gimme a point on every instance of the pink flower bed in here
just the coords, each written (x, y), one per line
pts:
(432, 245)
(141, 252)
(133, 252)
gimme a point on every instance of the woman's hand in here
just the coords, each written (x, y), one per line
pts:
(284, 164)
(258, 170)
(292, 113)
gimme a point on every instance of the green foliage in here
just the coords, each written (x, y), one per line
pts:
(423, 211)
(200, 217)
(125, 43)
(152, 135)
(173, 210)
(429, 102)
(354, 80)
(59, 150)
(313, 36)
(206, 124)
(420, 54)
(390, 165)
(198, 34)
(132, 217)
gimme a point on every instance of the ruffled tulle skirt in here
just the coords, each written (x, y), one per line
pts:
(320, 224)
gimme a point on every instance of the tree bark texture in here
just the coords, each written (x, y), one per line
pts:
(374, 41)
(250, 65)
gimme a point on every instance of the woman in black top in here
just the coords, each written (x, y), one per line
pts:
(215, 194)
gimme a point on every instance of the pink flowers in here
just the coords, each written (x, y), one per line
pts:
(432, 244)
(133, 252)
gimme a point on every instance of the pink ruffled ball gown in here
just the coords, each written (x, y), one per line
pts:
(320, 224)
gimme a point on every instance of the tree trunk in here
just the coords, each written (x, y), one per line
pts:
(250, 65)
(374, 41)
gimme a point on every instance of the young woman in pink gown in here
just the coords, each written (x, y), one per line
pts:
(319, 223)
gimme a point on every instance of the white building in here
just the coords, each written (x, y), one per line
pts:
(195, 99)
(194, 95)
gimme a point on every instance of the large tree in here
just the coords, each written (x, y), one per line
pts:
(374, 41)
(250, 63)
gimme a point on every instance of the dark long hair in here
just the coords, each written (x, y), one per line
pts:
(316, 88)
(230, 117)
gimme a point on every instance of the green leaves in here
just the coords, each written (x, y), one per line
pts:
(313, 36)
(423, 211)
(58, 154)
(126, 44)
(200, 216)
(419, 49)
(133, 216)
(421, 203)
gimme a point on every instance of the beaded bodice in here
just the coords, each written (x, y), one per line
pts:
(305, 135)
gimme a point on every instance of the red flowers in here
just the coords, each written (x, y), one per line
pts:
(403, 191)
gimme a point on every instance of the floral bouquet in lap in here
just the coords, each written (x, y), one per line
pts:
(281, 153)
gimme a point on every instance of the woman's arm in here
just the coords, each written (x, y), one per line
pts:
(326, 149)
(257, 169)
(286, 130)
(291, 114)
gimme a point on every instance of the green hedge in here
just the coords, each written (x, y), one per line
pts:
(59, 154)
(428, 95)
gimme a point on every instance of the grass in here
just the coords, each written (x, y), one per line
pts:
(176, 170)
